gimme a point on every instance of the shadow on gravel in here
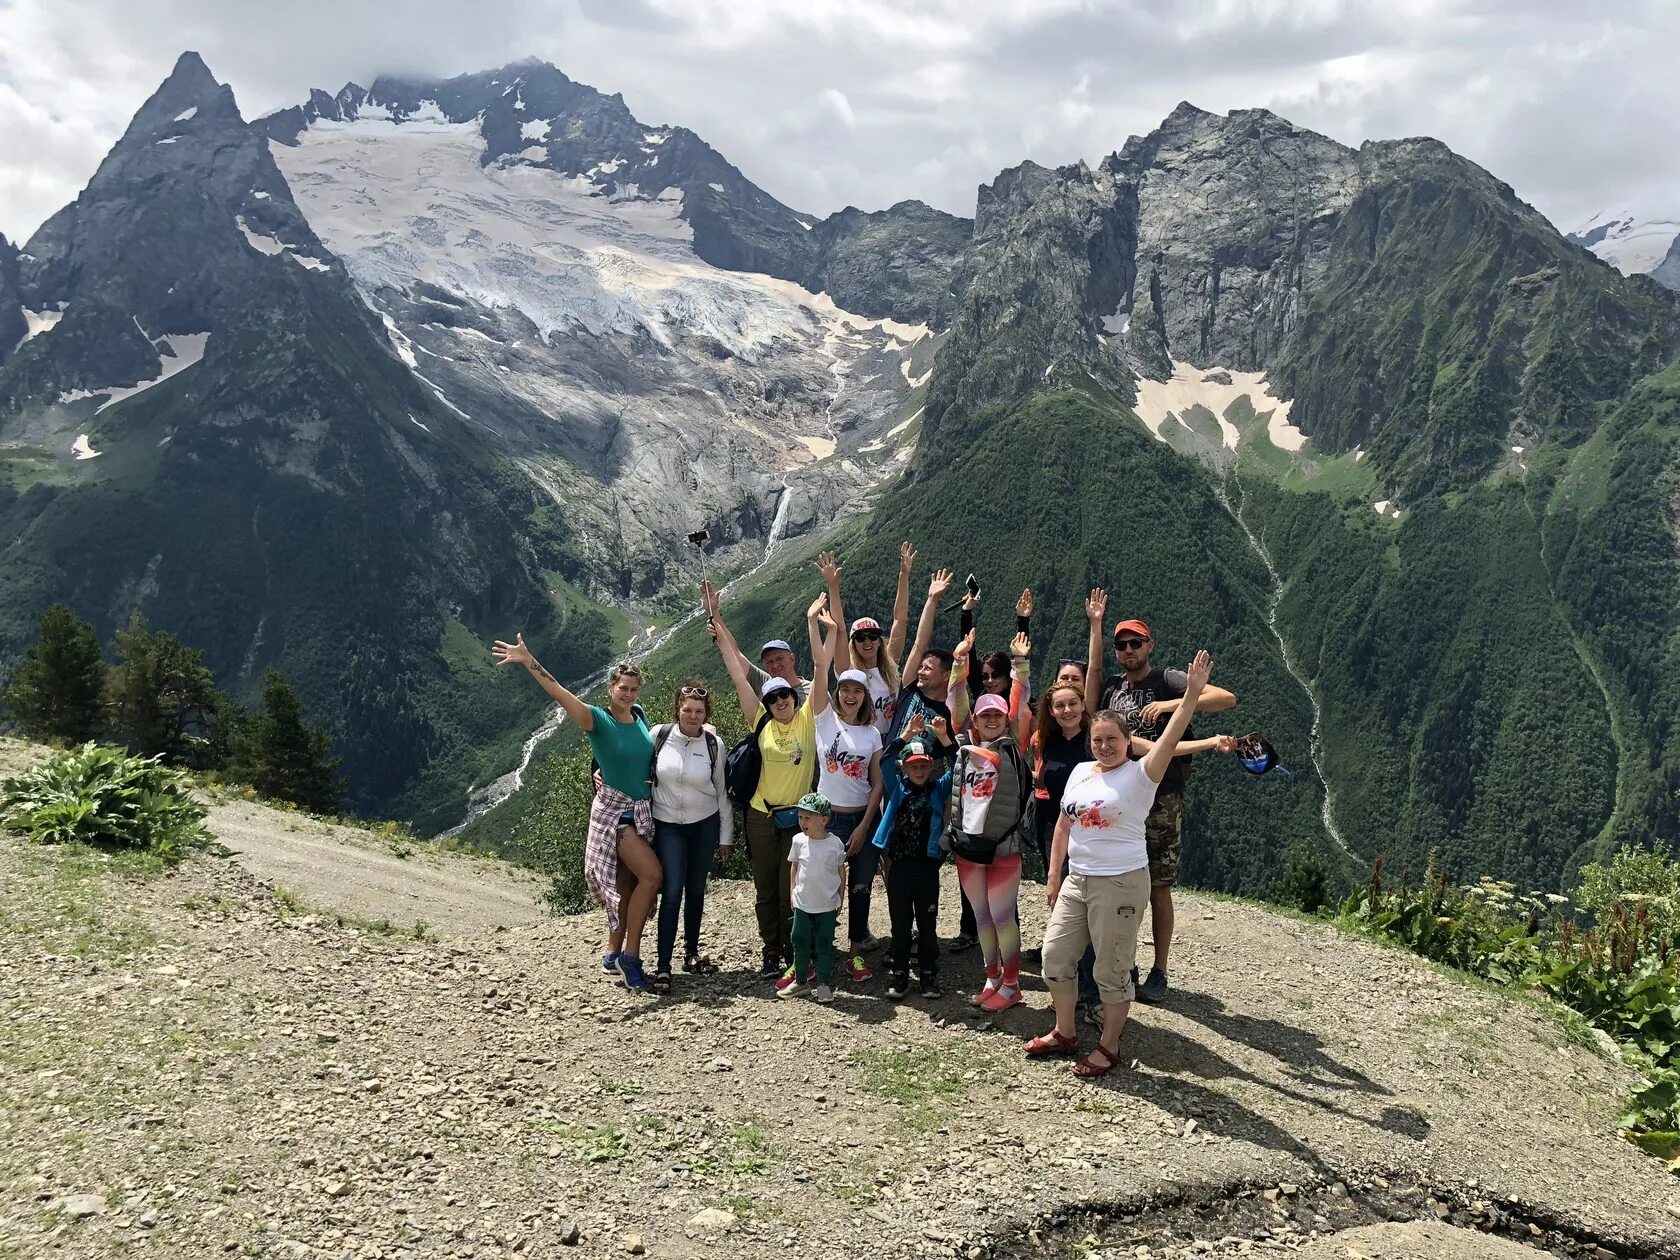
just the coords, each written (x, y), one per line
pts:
(1300, 1053)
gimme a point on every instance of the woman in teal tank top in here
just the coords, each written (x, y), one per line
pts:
(619, 864)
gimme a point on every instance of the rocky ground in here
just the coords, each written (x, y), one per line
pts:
(197, 1063)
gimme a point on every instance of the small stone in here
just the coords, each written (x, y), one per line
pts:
(1290, 1190)
(337, 1189)
(81, 1206)
(569, 1233)
(325, 1036)
(976, 1253)
(712, 1218)
(720, 1065)
(633, 1244)
(148, 1219)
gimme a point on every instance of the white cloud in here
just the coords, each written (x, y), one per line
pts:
(1573, 107)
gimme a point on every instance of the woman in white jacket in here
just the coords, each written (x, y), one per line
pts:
(691, 821)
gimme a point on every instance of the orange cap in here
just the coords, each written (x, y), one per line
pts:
(1134, 627)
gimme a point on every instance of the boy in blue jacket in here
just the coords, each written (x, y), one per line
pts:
(911, 832)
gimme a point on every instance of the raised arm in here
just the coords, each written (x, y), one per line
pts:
(1096, 604)
(842, 655)
(938, 587)
(733, 661)
(516, 653)
(1023, 612)
(1160, 757)
(957, 694)
(901, 604)
(818, 619)
(1020, 688)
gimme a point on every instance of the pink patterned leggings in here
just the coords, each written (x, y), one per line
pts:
(991, 888)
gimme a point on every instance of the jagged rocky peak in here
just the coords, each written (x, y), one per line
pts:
(13, 327)
(182, 221)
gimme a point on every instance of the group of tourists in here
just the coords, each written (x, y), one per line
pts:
(891, 761)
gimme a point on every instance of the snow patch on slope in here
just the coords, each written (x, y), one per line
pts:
(179, 352)
(37, 322)
(534, 130)
(82, 448)
(1162, 401)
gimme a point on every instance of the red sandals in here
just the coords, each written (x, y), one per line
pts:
(1050, 1043)
(1100, 1062)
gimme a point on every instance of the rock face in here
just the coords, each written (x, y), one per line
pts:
(1236, 215)
(659, 344)
(13, 327)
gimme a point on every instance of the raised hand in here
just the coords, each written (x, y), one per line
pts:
(1020, 647)
(1024, 605)
(941, 729)
(1199, 670)
(965, 647)
(515, 653)
(916, 725)
(970, 599)
(1096, 604)
(819, 605)
(829, 568)
(940, 585)
(825, 619)
(906, 556)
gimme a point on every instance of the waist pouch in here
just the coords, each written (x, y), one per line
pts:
(973, 848)
(786, 817)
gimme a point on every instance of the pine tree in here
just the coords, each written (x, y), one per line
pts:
(163, 699)
(57, 692)
(286, 759)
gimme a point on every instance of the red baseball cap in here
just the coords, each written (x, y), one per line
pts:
(1134, 626)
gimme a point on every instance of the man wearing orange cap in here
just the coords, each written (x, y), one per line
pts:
(1147, 697)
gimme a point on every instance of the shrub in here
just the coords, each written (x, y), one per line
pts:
(99, 795)
(1635, 878)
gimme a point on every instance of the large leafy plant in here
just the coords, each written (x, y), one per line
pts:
(100, 795)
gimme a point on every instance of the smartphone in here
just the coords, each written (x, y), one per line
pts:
(973, 585)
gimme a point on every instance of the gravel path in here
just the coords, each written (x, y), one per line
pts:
(192, 1066)
(352, 873)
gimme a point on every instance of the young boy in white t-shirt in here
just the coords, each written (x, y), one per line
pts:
(818, 859)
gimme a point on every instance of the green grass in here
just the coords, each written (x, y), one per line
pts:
(920, 1080)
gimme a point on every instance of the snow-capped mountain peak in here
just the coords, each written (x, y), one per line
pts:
(1634, 244)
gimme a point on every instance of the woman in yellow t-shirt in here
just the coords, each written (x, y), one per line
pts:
(787, 743)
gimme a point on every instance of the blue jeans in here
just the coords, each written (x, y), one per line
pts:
(685, 853)
(1087, 979)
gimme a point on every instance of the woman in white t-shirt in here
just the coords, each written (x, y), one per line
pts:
(864, 649)
(848, 775)
(1101, 898)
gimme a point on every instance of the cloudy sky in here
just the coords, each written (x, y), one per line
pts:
(829, 102)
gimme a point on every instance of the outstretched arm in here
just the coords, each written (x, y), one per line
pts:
(817, 619)
(842, 654)
(1095, 606)
(1160, 757)
(901, 604)
(1141, 747)
(938, 587)
(516, 653)
(733, 661)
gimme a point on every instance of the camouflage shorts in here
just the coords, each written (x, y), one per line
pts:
(1164, 832)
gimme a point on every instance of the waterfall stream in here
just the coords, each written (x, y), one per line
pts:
(1315, 743)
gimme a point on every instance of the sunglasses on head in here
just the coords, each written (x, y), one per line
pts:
(866, 636)
(1129, 645)
(692, 692)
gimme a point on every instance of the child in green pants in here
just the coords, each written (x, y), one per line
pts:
(819, 866)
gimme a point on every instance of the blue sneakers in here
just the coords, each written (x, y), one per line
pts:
(630, 967)
(609, 962)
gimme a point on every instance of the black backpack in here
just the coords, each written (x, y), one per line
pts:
(743, 766)
(713, 743)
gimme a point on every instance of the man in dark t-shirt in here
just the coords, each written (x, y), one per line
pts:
(1148, 697)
